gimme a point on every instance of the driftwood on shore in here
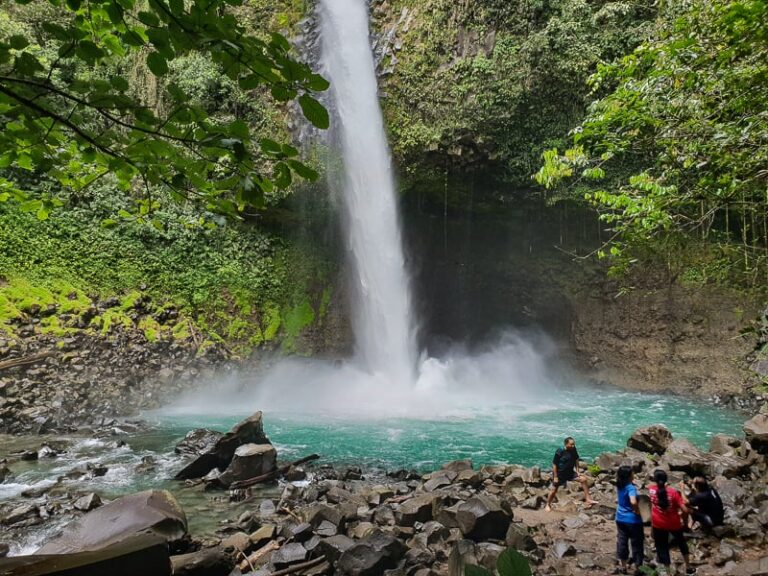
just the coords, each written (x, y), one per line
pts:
(25, 360)
(272, 475)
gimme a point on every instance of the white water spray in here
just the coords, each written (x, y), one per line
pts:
(382, 316)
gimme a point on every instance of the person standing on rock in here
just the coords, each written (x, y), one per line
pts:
(667, 505)
(565, 468)
(629, 524)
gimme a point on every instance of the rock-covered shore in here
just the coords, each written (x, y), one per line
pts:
(344, 521)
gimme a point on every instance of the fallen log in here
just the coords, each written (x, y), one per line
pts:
(299, 567)
(256, 556)
(14, 362)
(271, 475)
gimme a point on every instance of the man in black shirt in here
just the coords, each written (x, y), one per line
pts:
(565, 467)
(706, 503)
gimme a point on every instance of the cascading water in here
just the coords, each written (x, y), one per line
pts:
(382, 316)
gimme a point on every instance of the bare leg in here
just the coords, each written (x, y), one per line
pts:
(585, 486)
(550, 497)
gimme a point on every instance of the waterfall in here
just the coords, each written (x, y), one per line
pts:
(382, 316)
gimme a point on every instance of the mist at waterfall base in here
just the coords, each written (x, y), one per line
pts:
(508, 402)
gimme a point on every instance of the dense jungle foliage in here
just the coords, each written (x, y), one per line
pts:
(675, 155)
(128, 130)
(488, 86)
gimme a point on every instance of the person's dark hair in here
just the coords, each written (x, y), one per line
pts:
(568, 440)
(623, 476)
(700, 483)
(660, 477)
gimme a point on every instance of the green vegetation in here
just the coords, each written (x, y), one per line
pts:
(69, 112)
(510, 563)
(674, 156)
(489, 85)
(233, 283)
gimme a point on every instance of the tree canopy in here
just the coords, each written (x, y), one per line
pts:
(68, 111)
(678, 146)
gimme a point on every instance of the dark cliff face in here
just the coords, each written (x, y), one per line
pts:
(479, 272)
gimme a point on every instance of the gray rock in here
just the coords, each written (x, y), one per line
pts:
(482, 518)
(239, 542)
(371, 556)
(153, 511)
(653, 439)
(384, 516)
(327, 529)
(732, 492)
(417, 509)
(88, 502)
(419, 556)
(319, 513)
(762, 514)
(563, 548)
(291, 553)
(723, 444)
(332, 548)
(198, 441)
(249, 461)
(143, 554)
(20, 513)
(263, 534)
(440, 479)
(303, 532)
(756, 432)
(249, 431)
(682, 456)
(519, 537)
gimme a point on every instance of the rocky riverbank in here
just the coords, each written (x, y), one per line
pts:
(52, 384)
(325, 520)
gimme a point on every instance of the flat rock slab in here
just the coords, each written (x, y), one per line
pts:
(154, 512)
(145, 555)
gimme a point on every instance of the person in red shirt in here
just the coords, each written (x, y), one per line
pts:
(666, 522)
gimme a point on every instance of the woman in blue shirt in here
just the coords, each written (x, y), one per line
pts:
(629, 524)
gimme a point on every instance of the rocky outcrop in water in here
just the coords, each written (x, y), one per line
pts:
(240, 454)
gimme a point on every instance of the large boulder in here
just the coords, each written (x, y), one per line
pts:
(756, 431)
(198, 441)
(154, 512)
(249, 461)
(682, 456)
(417, 509)
(249, 431)
(145, 554)
(371, 556)
(482, 518)
(332, 548)
(653, 439)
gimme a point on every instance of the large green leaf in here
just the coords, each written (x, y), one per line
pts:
(314, 111)
(512, 563)
(473, 570)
